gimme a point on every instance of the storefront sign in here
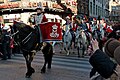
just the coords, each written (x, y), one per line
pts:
(29, 4)
(1, 1)
(10, 5)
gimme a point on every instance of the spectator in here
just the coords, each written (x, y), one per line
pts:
(5, 40)
(102, 64)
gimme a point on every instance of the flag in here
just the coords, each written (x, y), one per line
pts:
(51, 31)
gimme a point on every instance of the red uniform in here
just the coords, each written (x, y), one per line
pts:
(40, 19)
(75, 26)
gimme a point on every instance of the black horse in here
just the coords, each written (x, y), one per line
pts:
(29, 45)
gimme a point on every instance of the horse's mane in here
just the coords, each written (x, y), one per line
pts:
(20, 24)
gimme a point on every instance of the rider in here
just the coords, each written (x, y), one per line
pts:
(37, 19)
(87, 29)
(94, 26)
(69, 27)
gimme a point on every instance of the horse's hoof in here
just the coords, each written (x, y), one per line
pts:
(33, 71)
(42, 70)
(68, 54)
(78, 56)
(28, 75)
(60, 52)
(49, 67)
(82, 56)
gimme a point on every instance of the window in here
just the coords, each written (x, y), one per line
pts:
(91, 7)
(96, 9)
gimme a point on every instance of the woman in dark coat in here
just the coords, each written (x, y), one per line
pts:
(101, 63)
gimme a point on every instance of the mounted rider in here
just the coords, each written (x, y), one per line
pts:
(69, 27)
(95, 28)
(36, 19)
(85, 26)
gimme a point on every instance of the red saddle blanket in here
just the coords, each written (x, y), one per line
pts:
(51, 31)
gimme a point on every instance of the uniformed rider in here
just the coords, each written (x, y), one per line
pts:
(36, 19)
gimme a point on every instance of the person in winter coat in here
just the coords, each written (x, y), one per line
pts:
(5, 40)
(102, 64)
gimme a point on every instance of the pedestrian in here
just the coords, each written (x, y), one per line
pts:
(5, 40)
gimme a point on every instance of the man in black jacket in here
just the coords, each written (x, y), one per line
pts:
(101, 63)
(5, 40)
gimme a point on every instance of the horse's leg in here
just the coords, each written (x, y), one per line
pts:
(65, 46)
(29, 59)
(78, 49)
(83, 50)
(46, 61)
(53, 44)
(49, 60)
(61, 47)
(68, 48)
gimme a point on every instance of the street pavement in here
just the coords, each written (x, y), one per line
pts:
(63, 68)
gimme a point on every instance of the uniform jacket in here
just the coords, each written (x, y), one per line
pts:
(40, 19)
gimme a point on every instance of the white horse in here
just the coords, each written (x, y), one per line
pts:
(67, 39)
(81, 42)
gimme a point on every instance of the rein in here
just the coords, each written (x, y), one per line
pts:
(27, 38)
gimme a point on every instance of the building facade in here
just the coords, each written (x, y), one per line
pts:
(98, 8)
(83, 7)
(12, 9)
(114, 7)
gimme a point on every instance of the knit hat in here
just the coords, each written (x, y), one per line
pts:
(110, 46)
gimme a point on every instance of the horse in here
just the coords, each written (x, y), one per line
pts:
(100, 36)
(67, 41)
(29, 45)
(81, 42)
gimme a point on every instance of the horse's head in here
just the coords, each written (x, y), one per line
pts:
(27, 36)
(18, 25)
